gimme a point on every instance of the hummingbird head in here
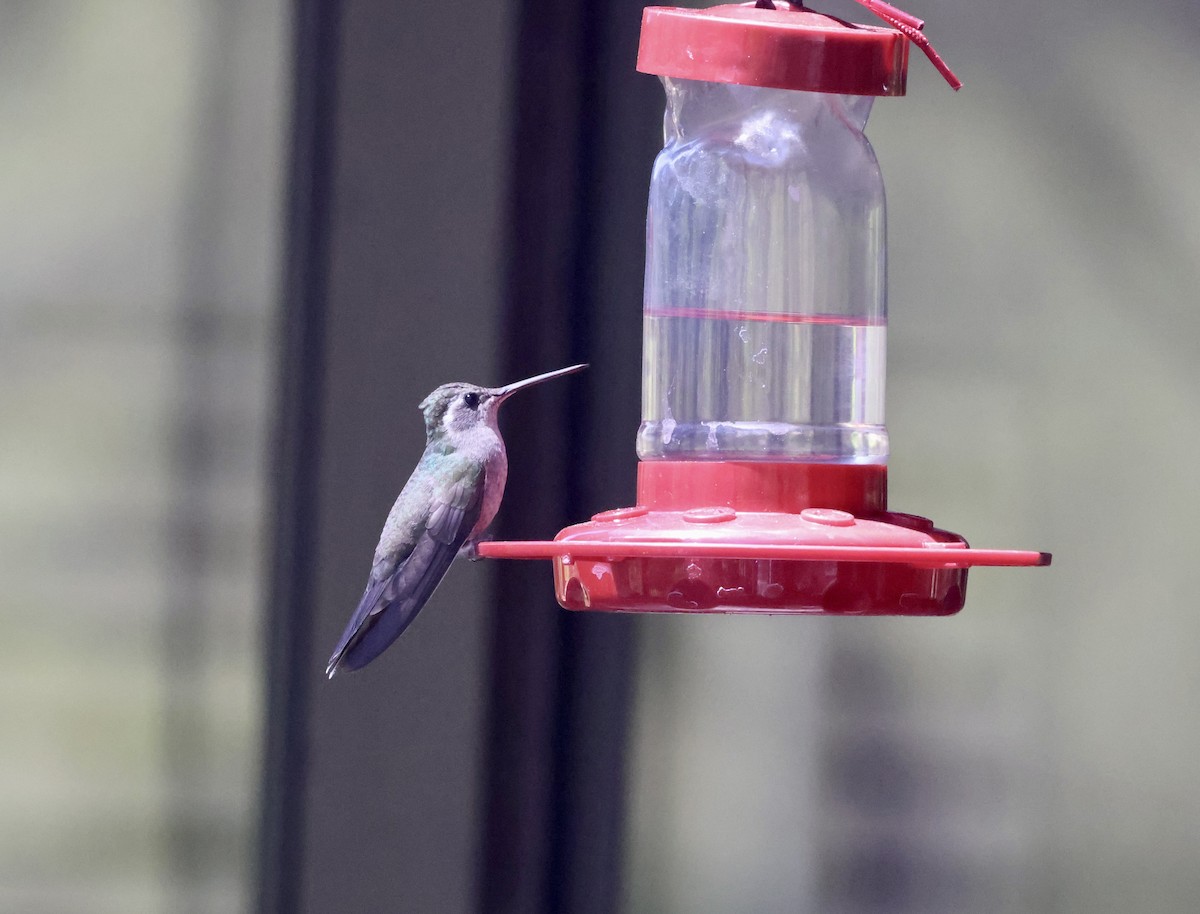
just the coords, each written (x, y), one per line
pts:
(458, 407)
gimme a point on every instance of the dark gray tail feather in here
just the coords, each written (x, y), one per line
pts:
(371, 596)
(388, 606)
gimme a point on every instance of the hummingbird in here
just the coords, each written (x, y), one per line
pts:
(444, 509)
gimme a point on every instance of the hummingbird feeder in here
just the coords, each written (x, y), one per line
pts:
(762, 474)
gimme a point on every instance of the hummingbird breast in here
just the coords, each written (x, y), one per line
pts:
(493, 490)
(483, 445)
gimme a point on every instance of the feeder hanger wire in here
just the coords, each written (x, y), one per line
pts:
(906, 24)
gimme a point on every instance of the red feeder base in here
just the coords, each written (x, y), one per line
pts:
(761, 538)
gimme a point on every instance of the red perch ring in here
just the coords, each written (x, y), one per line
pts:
(733, 556)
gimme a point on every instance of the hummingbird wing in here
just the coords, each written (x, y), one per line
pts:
(402, 583)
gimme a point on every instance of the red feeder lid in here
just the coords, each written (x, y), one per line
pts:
(789, 48)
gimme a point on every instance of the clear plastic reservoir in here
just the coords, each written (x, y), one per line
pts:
(765, 303)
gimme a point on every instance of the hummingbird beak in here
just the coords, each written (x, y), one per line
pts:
(503, 393)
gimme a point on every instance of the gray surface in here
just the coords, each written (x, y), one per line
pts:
(414, 293)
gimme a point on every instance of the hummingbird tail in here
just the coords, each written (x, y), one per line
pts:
(389, 605)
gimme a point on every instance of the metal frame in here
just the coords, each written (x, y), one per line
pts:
(479, 767)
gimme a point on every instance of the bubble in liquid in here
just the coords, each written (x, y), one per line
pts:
(760, 357)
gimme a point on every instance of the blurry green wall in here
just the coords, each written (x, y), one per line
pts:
(140, 178)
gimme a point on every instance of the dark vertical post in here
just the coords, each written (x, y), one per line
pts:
(622, 135)
(527, 628)
(290, 607)
(584, 142)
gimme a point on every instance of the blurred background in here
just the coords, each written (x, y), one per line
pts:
(141, 172)
(239, 242)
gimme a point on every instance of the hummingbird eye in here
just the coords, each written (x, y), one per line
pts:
(471, 399)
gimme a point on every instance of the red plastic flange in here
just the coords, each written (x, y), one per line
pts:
(761, 538)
